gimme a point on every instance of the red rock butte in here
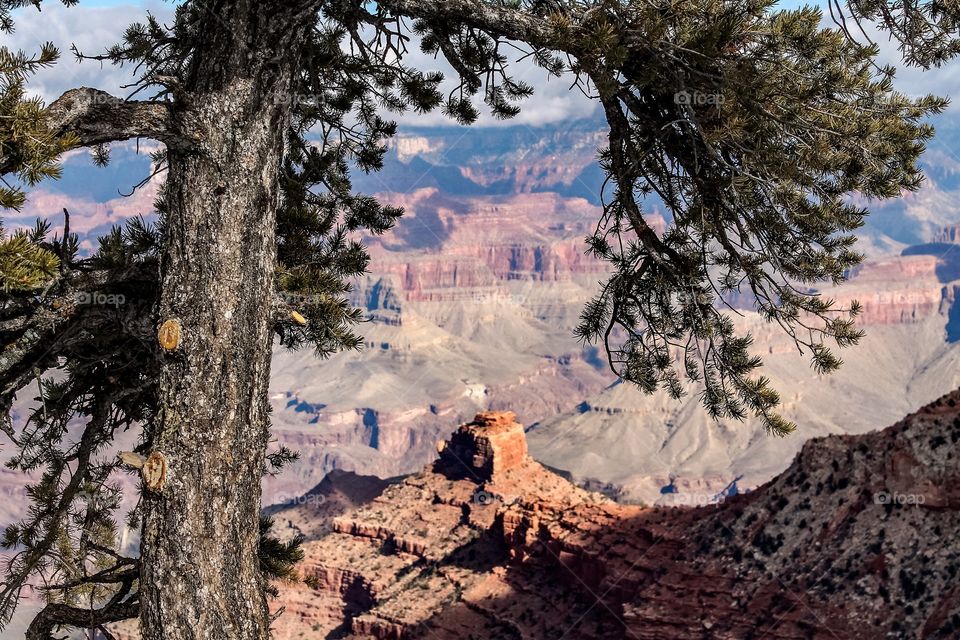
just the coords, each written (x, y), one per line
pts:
(488, 447)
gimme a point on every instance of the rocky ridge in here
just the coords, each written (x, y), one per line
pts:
(856, 539)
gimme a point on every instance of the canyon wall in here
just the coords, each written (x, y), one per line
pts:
(472, 304)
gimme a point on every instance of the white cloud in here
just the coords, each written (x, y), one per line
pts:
(92, 30)
(915, 82)
(553, 99)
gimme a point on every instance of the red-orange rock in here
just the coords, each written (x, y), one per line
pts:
(835, 547)
(488, 447)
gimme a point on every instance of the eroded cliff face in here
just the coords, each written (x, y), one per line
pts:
(857, 539)
(433, 548)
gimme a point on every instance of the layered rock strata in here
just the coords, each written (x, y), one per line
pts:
(857, 539)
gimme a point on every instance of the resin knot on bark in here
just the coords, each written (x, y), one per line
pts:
(154, 471)
(169, 334)
(153, 468)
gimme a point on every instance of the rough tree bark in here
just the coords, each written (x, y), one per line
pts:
(199, 551)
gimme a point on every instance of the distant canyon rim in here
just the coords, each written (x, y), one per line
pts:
(471, 302)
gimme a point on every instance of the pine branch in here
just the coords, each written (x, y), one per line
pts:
(55, 615)
(95, 117)
(37, 332)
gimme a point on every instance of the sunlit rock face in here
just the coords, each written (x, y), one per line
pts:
(488, 447)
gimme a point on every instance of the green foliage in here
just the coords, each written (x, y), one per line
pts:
(278, 559)
(30, 151)
(318, 251)
(24, 264)
(480, 64)
(755, 128)
(926, 30)
(68, 538)
(27, 147)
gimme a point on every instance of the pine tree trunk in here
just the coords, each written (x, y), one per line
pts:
(200, 576)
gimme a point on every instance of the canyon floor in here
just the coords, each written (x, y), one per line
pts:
(471, 302)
